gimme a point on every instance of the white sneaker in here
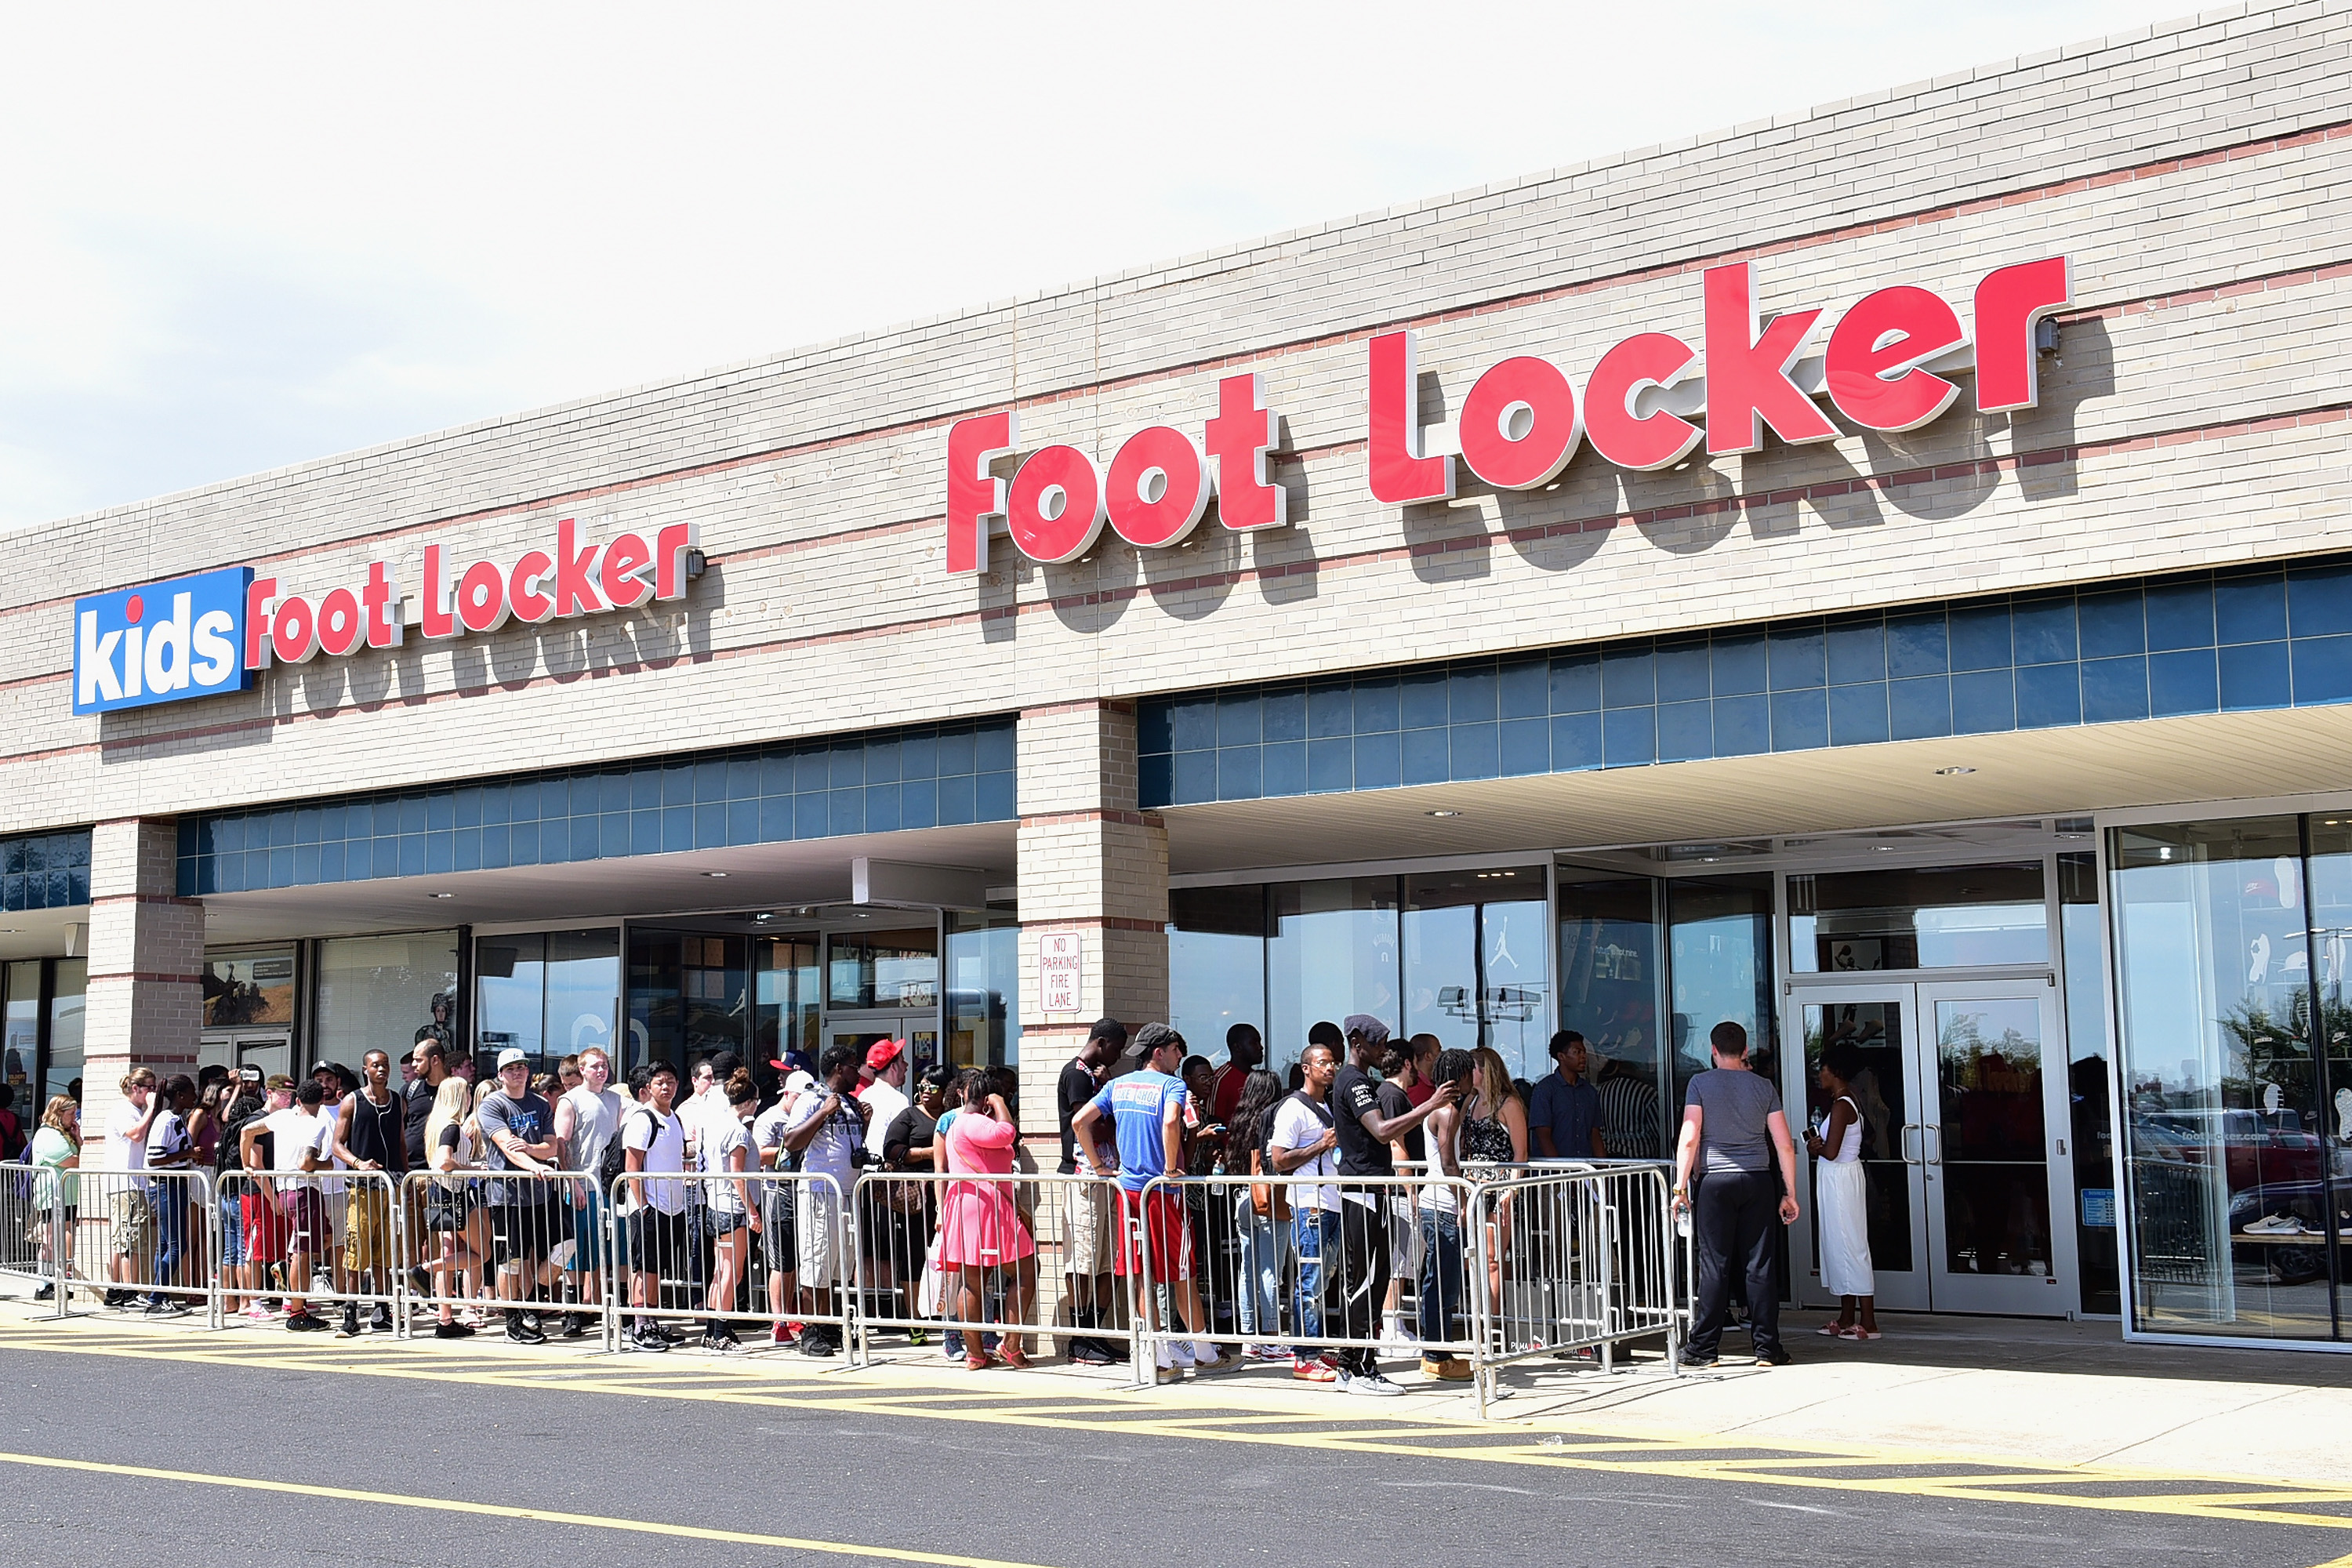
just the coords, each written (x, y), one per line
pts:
(1372, 1384)
(1394, 1337)
(1179, 1353)
(2275, 1224)
(1207, 1353)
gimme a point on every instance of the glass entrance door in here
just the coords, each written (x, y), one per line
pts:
(1962, 1142)
(920, 1030)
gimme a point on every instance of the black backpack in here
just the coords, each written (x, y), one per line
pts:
(615, 1162)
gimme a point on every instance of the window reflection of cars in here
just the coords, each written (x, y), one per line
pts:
(2258, 1148)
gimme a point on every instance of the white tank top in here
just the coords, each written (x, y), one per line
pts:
(1849, 1149)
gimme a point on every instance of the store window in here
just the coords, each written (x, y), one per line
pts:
(1476, 963)
(983, 1011)
(897, 968)
(1933, 917)
(787, 1001)
(547, 993)
(20, 1032)
(1216, 966)
(1609, 981)
(2230, 1143)
(376, 993)
(2090, 1145)
(1720, 957)
(1331, 951)
(69, 980)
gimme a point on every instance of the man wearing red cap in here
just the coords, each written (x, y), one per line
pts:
(883, 1236)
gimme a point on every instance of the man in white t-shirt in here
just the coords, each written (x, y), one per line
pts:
(779, 1230)
(826, 1129)
(128, 1204)
(885, 1243)
(654, 1142)
(332, 1087)
(1305, 1136)
(301, 1143)
(586, 1118)
(170, 1147)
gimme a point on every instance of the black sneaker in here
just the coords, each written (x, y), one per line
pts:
(306, 1323)
(452, 1330)
(523, 1328)
(350, 1328)
(645, 1337)
(1091, 1353)
(1775, 1357)
(574, 1325)
(531, 1322)
(1697, 1363)
(380, 1320)
(672, 1333)
(815, 1343)
(116, 1298)
(420, 1282)
(45, 1293)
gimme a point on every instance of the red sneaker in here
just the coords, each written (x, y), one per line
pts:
(784, 1332)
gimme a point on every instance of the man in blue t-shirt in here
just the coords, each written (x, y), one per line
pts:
(1564, 1122)
(1151, 1111)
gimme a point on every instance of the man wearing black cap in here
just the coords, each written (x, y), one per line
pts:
(1086, 1209)
(1365, 1134)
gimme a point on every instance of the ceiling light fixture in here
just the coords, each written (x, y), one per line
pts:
(1442, 813)
(440, 895)
(1952, 773)
(715, 874)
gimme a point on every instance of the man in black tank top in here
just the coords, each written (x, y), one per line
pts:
(371, 1134)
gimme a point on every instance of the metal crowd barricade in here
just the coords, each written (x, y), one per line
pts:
(141, 1239)
(39, 1206)
(1313, 1282)
(1032, 1263)
(328, 1240)
(1574, 1259)
(487, 1243)
(666, 1233)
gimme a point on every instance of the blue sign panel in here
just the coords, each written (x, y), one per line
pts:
(161, 643)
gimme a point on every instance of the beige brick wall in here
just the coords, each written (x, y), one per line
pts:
(2196, 173)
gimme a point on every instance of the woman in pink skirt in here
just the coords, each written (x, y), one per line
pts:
(979, 1226)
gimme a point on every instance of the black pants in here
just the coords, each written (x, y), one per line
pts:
(1353, 1292)
(1734, 1216)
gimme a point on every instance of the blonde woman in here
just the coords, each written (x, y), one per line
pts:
(1495, 1133)
(451, 1143)
(57, 1147)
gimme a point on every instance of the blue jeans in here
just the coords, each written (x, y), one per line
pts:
(171, 1234)
(1441, 1274)
(1257, 1294)
(1315, 1234)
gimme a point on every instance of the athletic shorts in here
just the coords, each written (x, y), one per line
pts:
(265, 1229)
(588, 1232)
(724, 1222)
(1086, 1208)
(816, 1218)
(307, 1230)
(778, 1235)
(527, 1230)
(657, 1242)
(1156, 1220)
(133, 1218)
(1404, 1237)
(367, 1229)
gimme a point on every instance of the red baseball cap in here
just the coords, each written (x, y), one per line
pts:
(882, 1053)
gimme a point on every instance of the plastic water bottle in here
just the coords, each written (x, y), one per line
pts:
(1683, 1221)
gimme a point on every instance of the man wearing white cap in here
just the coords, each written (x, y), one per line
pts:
(779, 1237)
(518, 1135)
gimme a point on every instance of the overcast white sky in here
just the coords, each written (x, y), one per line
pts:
(237, 237)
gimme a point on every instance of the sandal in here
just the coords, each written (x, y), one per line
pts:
(978, 1361)
(1010, 1351)
(1866, 1334)
(1837, 1332)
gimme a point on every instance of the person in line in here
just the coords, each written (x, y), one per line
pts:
(263, 1223)
(1400, 1076)
(585, 1120)
(1304, 1143)
(779, 1233)
(1629, 1109)
(299, 1144)
(1733, 1130)
(652, 1142)
(171, 1147)
(1244, 1054)
(1424, 1049)
(1365, 1133)
(723, 1157)
(1151, 1112)
(449, 1211)
(247, 1100)
(567, 1072)
(428, 1068)
(1087, 1205)
(882, 1237)
(911, 1143)
(128, 1208)
(982, 1230)
(1842, 1192)
(1438, 1205)
(337, 1083)
(518, 1136)
(826, 1131)
(1495, 1133)
(13, 1139)
(56, 1149)
(1564, 1116)
(371, 1134)
(1262, 1216)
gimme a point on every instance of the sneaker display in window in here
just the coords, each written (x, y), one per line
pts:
(2277, 1224)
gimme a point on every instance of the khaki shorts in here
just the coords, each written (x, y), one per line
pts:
(367, 1231)
(1086, 1226)
(816, 1217)
(135, 1223)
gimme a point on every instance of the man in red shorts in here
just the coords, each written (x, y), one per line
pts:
(1150, 1111)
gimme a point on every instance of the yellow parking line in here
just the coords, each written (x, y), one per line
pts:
(536, 1515)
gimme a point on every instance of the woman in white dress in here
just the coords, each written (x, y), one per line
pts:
(1844, 1200)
